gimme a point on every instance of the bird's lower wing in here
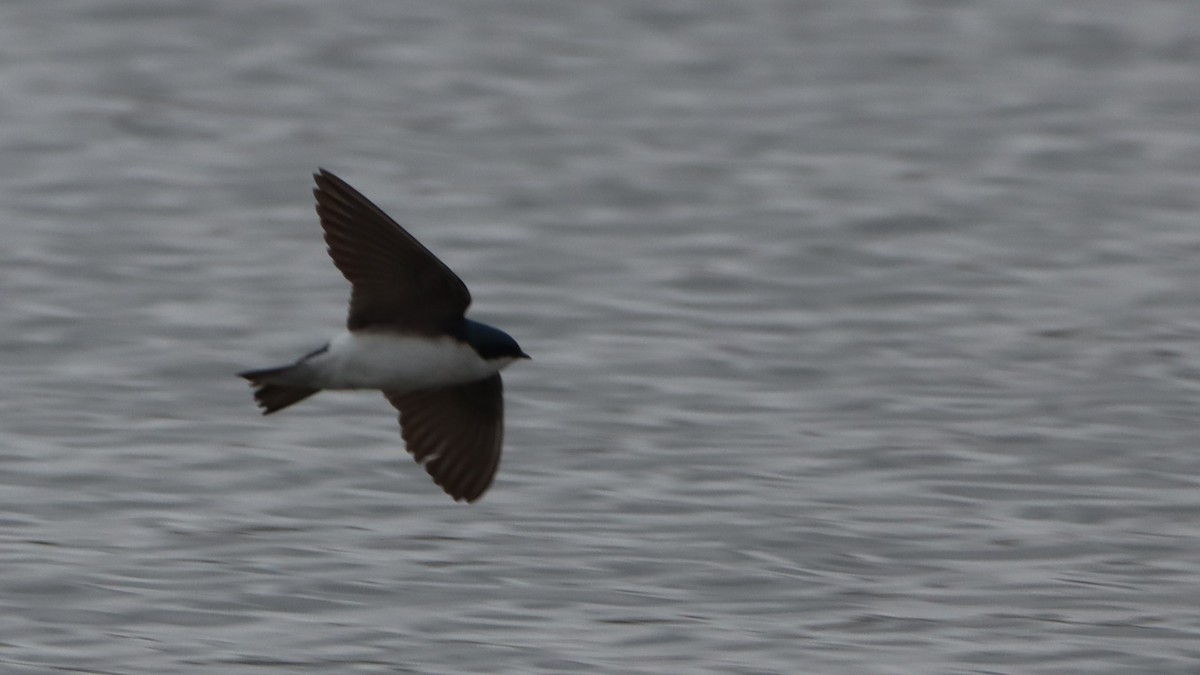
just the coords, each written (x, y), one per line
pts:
(455, 433)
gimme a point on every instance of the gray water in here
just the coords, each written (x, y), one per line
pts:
(865, 336)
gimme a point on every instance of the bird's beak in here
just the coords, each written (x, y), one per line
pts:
(525, 356)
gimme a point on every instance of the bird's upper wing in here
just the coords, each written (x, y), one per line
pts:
(396, 281)
(456, 433)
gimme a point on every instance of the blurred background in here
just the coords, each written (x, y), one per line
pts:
(864, 336)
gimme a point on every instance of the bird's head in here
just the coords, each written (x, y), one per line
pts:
(492, 344)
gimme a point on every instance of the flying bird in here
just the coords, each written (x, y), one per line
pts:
(406, 335)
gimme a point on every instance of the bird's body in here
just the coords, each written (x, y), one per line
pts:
(367, 359)
(406, 336)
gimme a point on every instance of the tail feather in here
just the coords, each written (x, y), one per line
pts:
(274, 397)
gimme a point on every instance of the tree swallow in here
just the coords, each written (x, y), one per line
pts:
(406, 336)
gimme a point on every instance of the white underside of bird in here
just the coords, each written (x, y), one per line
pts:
(390, 362)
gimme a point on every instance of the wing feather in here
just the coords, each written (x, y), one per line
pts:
(456, 433)
(395, 280)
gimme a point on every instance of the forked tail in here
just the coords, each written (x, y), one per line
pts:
(273, 397)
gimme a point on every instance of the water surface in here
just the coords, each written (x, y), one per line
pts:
(864, 337)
